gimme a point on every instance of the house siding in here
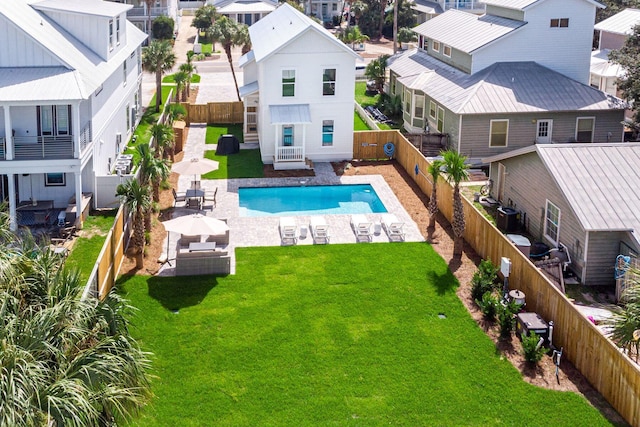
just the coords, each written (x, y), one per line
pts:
(459, 59)
(18, 50)
(522, 130)
(309, 64)
(565, 50)
(611, 41)
(517, 15)
(604, 246)
(527, 187)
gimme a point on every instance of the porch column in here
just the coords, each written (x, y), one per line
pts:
(13, 223)
(304, 140)
(75, 113)
(275, 143)
(8, 132)
(78, 182)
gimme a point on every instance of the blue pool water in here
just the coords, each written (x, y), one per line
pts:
(312, 200)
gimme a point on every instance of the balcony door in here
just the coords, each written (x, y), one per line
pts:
(54, 120)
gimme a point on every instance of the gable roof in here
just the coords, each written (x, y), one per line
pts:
(281, 27)
(89, 70)
(428, 7)
(599, 181)
(503, 87)
(525, 4)
(245, 6)
(106, 9)
(620, 23)
(466, 31)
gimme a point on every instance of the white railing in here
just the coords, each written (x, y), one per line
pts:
(141, 11)
(462, 4)
(3, 147)
(290, 154)
(43, 147)
(85, 137)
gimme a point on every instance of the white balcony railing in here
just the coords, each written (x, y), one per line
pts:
(43, 147)
(462, 4)
(290, 154)
(85, 137)
(3, 147)
(140, 11)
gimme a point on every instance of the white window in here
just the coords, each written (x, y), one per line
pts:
(127, 112)
(584, 129)
(327, 133)
(559, 23)
(118, 30)
(124, 72)
(498, 133)
(432, 110)
(440, 119)
(446, 51)
(552, 222)
(110, 34)
(288, 82)
(418, 110)
(407, 102)
(435, 45)
(54, 180)
(329, 82)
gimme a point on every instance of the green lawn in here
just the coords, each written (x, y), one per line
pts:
(299, 337)
(195, 78)
(245, 164)
(362, 98)
(86, 249)
(358, 123)
(214, 132)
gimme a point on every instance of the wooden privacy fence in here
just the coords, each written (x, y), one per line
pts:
(214, 112)
(368, 145)
(610, 371)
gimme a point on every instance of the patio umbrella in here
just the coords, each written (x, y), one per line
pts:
(194, 166)
(196, 224)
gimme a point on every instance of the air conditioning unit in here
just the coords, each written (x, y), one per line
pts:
(118, 138)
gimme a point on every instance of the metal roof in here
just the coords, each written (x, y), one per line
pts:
(290, 114)
(428, 7)
(601, 66)
(600, 181)
(39, 84)
(281, 27)
(91, 70)
(248, 7)
(248, 89)
(246, 58)
(510, 4)
(86, 7)
(466, 31)
(620, 23)
(504, 87)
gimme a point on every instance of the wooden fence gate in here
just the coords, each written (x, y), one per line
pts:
(214, 112)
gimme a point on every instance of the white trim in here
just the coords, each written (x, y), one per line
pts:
(433, 45)
(549, 131)
(435, 110)
(444, 50)
(586, 255)
(506, 135)
(593, 126)
(440, 109)
(282, 83)
(415, 105)
(335, 79)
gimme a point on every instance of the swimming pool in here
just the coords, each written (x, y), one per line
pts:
(311, 200)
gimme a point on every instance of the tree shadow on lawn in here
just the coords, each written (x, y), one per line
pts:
(175, 293)
(443, 283)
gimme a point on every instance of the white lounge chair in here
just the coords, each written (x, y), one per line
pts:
(288, 230)
(361, 227)
(393, 227)
(319, 229)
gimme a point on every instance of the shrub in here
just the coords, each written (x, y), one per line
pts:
(484, 280)
(506, 318)
(532, 353)
(488, 305)
(391, 105)
(162, 28)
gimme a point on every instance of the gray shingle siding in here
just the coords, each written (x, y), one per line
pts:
(602, 252)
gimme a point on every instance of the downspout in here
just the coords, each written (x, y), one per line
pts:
(459, 132)
(584, 258)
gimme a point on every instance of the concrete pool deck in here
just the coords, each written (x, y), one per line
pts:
(264, 231)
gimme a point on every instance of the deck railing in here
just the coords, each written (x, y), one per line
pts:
(3, 147)
(290, 154)
(85, 137)
(141, 11)
(43, 147)
(462, 4)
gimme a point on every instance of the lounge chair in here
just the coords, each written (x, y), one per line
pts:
(393, 227)
(361, 227)
(319, 229)
(288, 230)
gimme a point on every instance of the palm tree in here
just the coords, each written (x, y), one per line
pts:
(174, 112)
(377, 70)
(65, 361)
(243, 39)
(153, 171)
(225, 31)
(158, 58)
(456, 172)
(181, 78)
(353, 35)
(135, 197)
(189, 69)
(163, 138)
(434, 172)
(625, 322)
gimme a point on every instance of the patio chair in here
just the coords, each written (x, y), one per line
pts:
(288, 230)
(211, 197)
(193, 202)
(393, 227)
(195, 185)
(182, 197)
(319, 229)
(361, 227)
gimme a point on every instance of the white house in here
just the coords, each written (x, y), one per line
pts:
(324, 10)
(70, 73)
(140, 14)
(427, 9)
(298, 92)
(244, 11)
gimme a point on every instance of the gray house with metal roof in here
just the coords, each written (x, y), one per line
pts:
(482, 80)
(584, 196)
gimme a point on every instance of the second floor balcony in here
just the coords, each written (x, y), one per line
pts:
(45, 147)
